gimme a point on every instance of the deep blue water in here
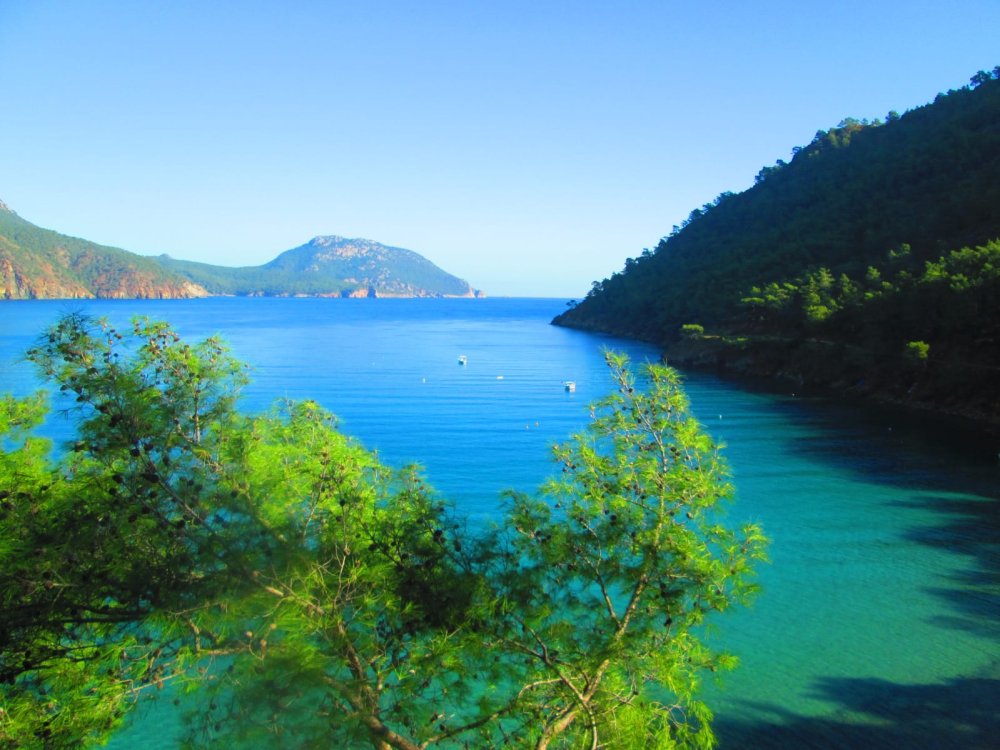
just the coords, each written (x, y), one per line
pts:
(879, 625)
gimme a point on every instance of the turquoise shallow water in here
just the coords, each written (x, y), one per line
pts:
(879, 622)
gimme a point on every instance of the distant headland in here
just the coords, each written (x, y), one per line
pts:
(37, 263)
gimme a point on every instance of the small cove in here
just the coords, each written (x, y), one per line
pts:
(878, 625)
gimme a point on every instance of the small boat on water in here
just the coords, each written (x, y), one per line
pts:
(462, 359)
(570, 386)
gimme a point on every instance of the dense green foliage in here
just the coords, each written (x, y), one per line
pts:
(872, 236)
(616, 564)
(313, 597)
(940, 300)
(100, 545)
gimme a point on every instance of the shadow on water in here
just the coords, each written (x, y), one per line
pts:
(890, 444)
(953, 479)
(969, 528)
(876, 714)
(951, 473)
(947, 472)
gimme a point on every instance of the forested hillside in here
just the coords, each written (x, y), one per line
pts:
(38, 263)
(869, 262)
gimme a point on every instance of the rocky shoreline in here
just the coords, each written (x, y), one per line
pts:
(834, 370)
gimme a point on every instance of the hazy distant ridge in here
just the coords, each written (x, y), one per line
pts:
(38, 263)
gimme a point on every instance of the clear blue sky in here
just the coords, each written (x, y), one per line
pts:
(528, 147)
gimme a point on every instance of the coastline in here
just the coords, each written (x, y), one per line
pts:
(831, 370)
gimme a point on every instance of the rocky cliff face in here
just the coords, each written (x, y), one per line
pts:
(42, 284)
(48, 280)
(38, 263)
(117, 281)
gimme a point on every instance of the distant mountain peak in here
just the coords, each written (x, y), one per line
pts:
(333, 239)
(359, 245)
(329, 246)
(362, 267)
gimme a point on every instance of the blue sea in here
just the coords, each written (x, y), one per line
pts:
(879, 623)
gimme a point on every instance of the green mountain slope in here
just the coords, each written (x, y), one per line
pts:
(331, 266)
(868, 262)
(38, 263)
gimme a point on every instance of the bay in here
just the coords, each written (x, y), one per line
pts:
(879, 622)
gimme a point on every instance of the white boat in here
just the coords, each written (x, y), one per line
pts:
(570, 386)
(462, 359)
